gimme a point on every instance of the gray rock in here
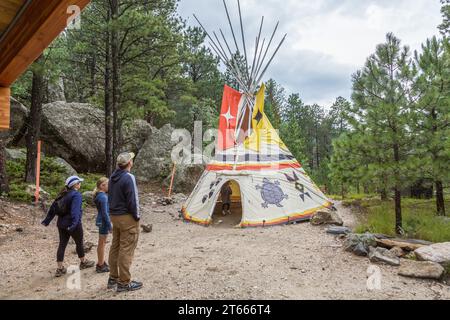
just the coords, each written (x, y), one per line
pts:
(74, 132)
(383, 255)
(186, 177)
(397, 251)
(70, 171)
(135, 134)
(154, 159)
(88, 197)
(31, 190)
(147, 228)
(421, 269)
(326, 217)
(15, 154)
(359, 243)
(438, 252)
(338, 230)
(18, 116)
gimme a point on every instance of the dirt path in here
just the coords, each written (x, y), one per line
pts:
(186, 261)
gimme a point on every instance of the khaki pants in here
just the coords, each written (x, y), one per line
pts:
(125, 238)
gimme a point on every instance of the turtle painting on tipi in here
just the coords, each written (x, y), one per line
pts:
(274, 188)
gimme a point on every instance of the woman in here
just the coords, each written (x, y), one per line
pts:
(68, 208)
(103, 222)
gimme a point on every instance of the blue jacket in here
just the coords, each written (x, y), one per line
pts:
(73, 201)
(123, 194)
(101, 201)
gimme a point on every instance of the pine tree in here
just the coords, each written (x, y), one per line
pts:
(433, 115)
(383, 93)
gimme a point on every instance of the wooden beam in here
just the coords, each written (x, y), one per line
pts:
(40, 23)
(4, 108)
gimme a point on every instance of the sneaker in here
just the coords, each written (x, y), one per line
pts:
(60, 272)
(86, 264)
(132, 286)
(229, 212)
(224, 213)
(102, 269)
(112, 283)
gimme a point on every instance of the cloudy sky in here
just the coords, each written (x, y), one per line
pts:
(328, 40)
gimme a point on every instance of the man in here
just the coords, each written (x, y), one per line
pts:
(124, 211)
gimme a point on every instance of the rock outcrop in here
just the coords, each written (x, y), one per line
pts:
(154, 159)
(18, 116)
(74, 132)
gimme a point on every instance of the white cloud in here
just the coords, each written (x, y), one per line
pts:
(327, 40)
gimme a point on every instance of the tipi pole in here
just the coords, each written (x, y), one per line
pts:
(171, 180)
(231, 26)
(243, 39)
(270, 61)
(267, 49)
(256, 51)
(38, 172)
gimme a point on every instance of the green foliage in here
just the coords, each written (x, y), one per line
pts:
(53, 176)
(420, 221)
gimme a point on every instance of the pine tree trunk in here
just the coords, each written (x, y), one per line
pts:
(4, 185)
(398, 211)
(383, 195)
(397, 190)
(34, 124)
(115, 77)
(440, 204)
(109, 159)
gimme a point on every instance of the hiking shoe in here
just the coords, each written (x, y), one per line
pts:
(102, 269)
(132, 286)
(86, 264)
(60, 272)
(112, 283)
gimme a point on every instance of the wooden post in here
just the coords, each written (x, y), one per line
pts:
(171, 180)
(4, 108)
(38, 171)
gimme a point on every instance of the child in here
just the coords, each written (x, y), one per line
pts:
(103, 222)
(226, 193)
(68, 208)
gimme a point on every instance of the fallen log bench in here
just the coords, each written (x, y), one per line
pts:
(405, 244)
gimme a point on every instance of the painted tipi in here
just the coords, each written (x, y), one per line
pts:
(270, 183)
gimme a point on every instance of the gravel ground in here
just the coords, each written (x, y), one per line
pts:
(186, 261)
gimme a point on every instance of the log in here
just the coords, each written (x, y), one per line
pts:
(408, 245)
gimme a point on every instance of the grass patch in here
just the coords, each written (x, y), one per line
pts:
(419, 219)
(53, 176)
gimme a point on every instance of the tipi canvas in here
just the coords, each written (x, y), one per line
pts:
(273, 188)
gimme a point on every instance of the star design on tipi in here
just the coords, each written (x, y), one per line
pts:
(301, 188)
(228, 116)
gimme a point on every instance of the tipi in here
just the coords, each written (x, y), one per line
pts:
(270, 183)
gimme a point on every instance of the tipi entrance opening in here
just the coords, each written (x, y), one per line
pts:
(235, 216)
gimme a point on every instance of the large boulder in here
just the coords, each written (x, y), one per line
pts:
(18, 116)
(134, 136)
(154, 160)
(326, 217)
(438, 252)
(15, 154)
(186, 177)
(75, 132)
(421, 269)
(69, 170)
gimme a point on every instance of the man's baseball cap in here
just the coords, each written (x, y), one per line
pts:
(124, 158)
(73, 180)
